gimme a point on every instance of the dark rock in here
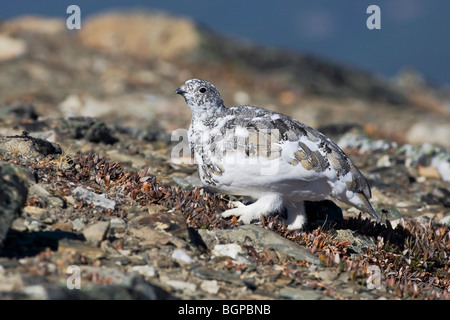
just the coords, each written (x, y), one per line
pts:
(21, 111)
(207, 273)
(13, 194)
(27, 147)
(133, 288)
(90, 129)
(24, 244)
(437, 196)
(88, 196)
(146, 134)
(335, 130)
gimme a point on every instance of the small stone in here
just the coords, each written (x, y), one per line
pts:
(78, 225)
(210, 286)
(19, 225)
(327, 275)
(33, 225)
(147, 270)
(299, 294)
(117, 225)
(181, 255)
(384, 161)
(182, 285)
(428, 172)
(13, 191)
(95, 233)
(231, 250)
(94, 198)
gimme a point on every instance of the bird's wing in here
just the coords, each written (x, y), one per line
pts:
(309, 147)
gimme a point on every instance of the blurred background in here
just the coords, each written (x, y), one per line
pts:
(414, 33)
(315, 61)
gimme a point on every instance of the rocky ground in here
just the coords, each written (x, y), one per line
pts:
(88, 186)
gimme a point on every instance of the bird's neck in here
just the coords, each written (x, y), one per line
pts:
(207, 112)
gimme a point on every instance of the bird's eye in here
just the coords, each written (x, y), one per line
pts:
(202, 90)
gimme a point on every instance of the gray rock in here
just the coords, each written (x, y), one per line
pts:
(231, 250)
(117, 225)
(19, 225)
(182, 285)
(78, 225)
(207, 273)
(266, 240)
(145, 270)
(13, 194)
(90, 129)
(188, 182)
(210, 286)
(95, 233)
(122, 287)
(299, 293)
(181, 255)
(88, 196)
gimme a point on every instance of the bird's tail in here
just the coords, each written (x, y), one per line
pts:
(360, 201)
(367, 207)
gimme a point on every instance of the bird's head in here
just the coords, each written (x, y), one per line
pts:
(202, 97)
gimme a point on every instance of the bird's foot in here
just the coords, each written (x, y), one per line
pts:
(236, 204)
(263, 206)
(245, 214)
(296, 216)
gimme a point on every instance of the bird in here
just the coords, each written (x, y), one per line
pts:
(270, 158)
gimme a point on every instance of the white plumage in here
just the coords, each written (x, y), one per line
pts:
(277, 161)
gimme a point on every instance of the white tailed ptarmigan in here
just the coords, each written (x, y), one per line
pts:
(275, 160)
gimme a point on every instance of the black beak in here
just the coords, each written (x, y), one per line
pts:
(180, 91)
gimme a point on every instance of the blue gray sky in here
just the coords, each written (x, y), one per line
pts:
(414, 33)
